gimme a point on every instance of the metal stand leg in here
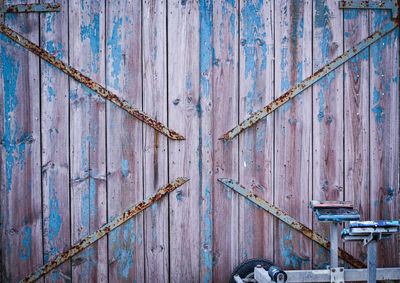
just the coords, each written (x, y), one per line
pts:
(372, 261)
(334, 244)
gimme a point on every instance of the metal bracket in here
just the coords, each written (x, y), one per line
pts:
(72, 72)
(337, 275)
(333, 65)
(380, 5)
(275, 211)
(104, 230)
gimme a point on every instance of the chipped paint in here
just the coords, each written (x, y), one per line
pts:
(293, 223)
(104, 230)
(25, 251)
(125, 168)
(10, 69)
(335, 63)
(24, 42)
(206, 59)
(113, 43)
(92, 33)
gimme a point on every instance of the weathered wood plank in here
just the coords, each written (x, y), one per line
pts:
(256, 89)
(20, 177)
(293, 131)
(356, 122)
(206, 139)
(327, 115)
(87, 139)
(225, 114)
(55, 142)
(384, 135)
(184, 116)
(124, 139)
(155, 103)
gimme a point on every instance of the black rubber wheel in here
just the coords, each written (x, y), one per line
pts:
(246, 268)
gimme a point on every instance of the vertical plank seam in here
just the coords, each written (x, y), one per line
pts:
(342, 11)
(274, 221)
(238, 121)
(143, 137)
(41, 143)
(312, 125)
(69, 143)
(168, 173)
(107, 240)
(369, 117)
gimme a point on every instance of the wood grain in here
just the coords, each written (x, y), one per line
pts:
(225, 104)
(256, 156)
(184, 159)
(356, 122)
(87, 139)
(155, 103)
(125, 139)
(21, 217)
(327, 115)
(55, 143)
(293, 132)
(384, 136)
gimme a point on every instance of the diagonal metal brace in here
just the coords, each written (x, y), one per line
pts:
(270, 208)
(104, 230)
(80, 77)
(380, 5)
(338, 61)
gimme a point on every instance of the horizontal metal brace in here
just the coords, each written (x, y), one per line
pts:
(104, 230)
(338, 61)
(381, 5)
(270, 208)
(99, 89)
(27, 8)
(324, 275)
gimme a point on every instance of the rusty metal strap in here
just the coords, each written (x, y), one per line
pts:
(338, 61)
(104, 230)
(27, 8)
(102, 91)
(270, 208)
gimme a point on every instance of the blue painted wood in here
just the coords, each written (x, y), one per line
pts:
(55, 144)
(88, 139)
(20, 174)
(209, 65)
(124, 140)
(256, 67)
(384, 135)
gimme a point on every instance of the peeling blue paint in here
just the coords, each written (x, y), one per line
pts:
(123, 247)
(124, 167)
(206, 59)
(390, 194)
(92, 32)
(188, 82)
(322, 14)
(51, 93)
(25, 251)
(116, 52)
(10, 69)
(292, 259)
(377, 96)
(155, 47)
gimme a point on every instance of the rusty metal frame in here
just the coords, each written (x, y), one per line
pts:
(104, 230)
(275, 211)
(72, 72)
(27, 8)
(334, 64)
